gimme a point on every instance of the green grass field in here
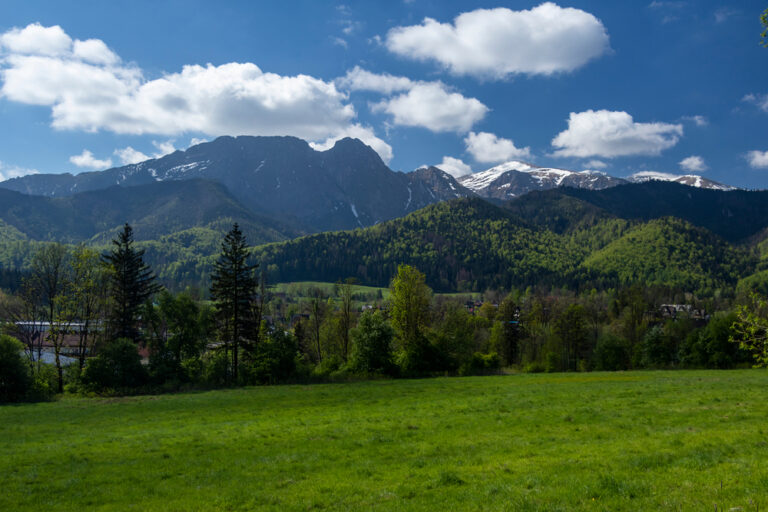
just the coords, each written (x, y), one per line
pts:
(301, 288)
(687, 440)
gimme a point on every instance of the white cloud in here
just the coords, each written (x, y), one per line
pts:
(758, 159)
(488, 148)
(94, 51)
(128, 156)
(163, 148)
(8, 172)
(761, 100)
(86, 159)
(693, 163)
(36, 39)
(87, 90)
(608, 134)
(595, 164)
(499, 42)
(358, 79)
(430, 105)
(454, 166)
(698, 120)
(365, 134)
(197, 140)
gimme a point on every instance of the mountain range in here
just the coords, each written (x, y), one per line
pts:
(515, 224)
(345, 187)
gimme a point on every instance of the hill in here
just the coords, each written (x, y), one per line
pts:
(468, 244)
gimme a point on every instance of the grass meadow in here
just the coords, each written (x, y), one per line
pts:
(672, 440)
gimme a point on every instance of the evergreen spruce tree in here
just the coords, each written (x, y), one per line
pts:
(131, 284)
(233, 287)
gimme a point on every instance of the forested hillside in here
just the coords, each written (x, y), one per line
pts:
(469, 244)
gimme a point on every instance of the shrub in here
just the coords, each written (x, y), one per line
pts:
(481, 364)
(274, 359)
(611, 354)
(372, 349)
(215, 368)
(118, 367)
(15, 379)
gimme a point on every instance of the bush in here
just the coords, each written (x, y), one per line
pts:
(481, 364)
(117, 368)
(215, 368)
(372, 345)
(274, 360)
(611, 354)
(15, 379)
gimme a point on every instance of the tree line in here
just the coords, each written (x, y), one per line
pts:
(88, 322)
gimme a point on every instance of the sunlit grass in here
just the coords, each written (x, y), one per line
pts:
(688, 440)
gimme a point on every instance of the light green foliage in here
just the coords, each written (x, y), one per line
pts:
(567, 442)
(409, 305)
(751, 328)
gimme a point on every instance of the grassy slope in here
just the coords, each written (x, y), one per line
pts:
(601, 441)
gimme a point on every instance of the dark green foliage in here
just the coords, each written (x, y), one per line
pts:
(481, 364)
(506, 333)
(372, 345)
(658, 348)
(117, 368)
(611, 353)
(734, 215)
(233, 288)
(469, 244)
(155, 210)
(274, 359)
(572, 333)
(15, 378)
(711, 346)
(131, 284)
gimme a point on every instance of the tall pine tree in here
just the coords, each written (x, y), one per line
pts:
(131, 284)
(233, 287)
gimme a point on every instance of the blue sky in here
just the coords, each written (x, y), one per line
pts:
(670, 86)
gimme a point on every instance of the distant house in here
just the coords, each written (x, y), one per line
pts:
(675, 311)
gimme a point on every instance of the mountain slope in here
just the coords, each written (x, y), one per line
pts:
(153, 210)
(669, 251)
(514, 178)
(734, 215)
(344, 187)
(467, 244)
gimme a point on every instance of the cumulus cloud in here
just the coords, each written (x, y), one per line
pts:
(488, 148)
(88, 88)
(758, 159)
(358, 79)
(365, 134)
(693, 163)
(7, 172)
(454, 166)
(86, 159)
(194, 141)
(609, 134)
(500, 42)
(431, 105)
(128, 156)
(36, 39)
